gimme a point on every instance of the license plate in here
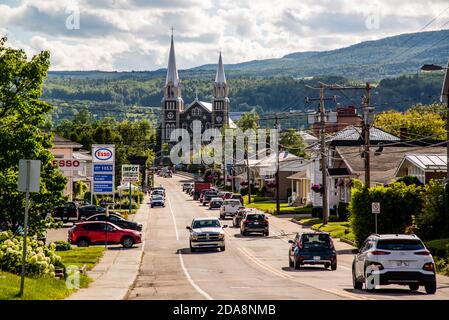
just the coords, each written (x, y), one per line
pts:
(256, 222)
(316, 258)
(402, 263)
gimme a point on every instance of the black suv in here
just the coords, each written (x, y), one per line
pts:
(254, 222)
(90, 210)
(312, 248)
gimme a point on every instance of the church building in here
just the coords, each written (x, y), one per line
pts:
(174, 114)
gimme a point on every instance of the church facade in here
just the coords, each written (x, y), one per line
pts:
(174, 113)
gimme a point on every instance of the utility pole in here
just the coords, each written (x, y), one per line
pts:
(248, 175)
(322, 115)
(367, 111)
(278, 203)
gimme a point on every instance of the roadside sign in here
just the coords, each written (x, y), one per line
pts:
(103, 168)
(375, 207)
(29, 175)
(130, 172)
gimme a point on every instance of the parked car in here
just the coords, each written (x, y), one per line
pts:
(116, 220)
(90, 210)
(227, 195)
(157, 200)
(238, 197)
(394, 259)
(167, 174)
(67, 212)
(186, 186)
(100, 232)
(208, 196)
(237, 218)
(312, 248)
(229, 208)
(254, 222)
(206, 233)
(215, 203)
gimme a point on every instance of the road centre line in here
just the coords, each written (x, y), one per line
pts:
(181, 260)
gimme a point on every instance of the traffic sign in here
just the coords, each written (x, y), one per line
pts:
(375, 207)
(130, 172)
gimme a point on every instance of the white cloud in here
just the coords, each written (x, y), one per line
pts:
(134, 34)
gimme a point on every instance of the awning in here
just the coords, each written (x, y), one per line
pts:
(301, 175)
(338, 172)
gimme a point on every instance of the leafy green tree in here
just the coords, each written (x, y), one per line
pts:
(292, 141)
(22, 113)
(248, 121)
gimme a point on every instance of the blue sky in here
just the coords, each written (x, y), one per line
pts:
(134, 34)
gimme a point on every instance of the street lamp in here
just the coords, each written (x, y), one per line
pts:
(444, 98)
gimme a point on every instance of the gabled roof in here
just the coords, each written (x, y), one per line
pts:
(426, 162)
(60, 142)
(205, 105)
(353, 133)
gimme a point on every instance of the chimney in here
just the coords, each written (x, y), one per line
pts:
(403, 133)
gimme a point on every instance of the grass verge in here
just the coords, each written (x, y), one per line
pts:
(49, 288)
(270, 207)
(336, 229)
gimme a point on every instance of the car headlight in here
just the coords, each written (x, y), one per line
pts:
(194, 236)
(221, 236)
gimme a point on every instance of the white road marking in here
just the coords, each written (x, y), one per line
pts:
(181, 260)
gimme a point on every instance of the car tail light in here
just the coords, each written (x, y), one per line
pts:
(379, 252)
(429, 267)
(264, 221)
(423, 253)
(332, 245)
(247, 221)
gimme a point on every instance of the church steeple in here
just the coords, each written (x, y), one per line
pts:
(220, 85)
(172, 83)
(220, 109)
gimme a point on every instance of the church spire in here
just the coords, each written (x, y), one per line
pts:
(172, 71)
(220, 77)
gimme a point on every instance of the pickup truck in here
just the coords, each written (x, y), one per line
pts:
(67, 212)
(229, 208)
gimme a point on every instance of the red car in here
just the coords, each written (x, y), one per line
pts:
(100, 232)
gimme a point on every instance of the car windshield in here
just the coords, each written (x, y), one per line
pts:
(157, 197)
(213, 223)
(400, 245)
(315, 240)
(255, 217)
(232, 203)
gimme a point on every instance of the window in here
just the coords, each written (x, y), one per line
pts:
(167, 131)
(206, 224)
(400, 245)
(207, 125)
(93, 227)
(196, 111)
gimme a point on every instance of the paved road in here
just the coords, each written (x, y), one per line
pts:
(252, 267)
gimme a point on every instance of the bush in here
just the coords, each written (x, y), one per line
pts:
(398, 204)
(333, 218)
(41, 259)
(342, 211)
(62, 245)
(431, 222)
(439, 247)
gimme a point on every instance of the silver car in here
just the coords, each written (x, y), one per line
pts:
(206, 233)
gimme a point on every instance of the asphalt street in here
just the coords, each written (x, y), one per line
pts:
(252, 267)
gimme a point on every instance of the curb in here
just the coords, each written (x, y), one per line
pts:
(348, 242)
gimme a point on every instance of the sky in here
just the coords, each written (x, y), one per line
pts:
(127, 35)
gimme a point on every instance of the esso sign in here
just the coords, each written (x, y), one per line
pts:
(67, 164)
(103, 154)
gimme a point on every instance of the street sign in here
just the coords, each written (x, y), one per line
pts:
(68, 164)
(130, 172)
(29, 175)
(375, 207)
(103, 168)
(29, 180)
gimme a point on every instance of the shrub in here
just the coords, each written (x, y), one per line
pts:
(439, 247)
(62, 245)
(398, 204)
(41, 259)
(317, 212)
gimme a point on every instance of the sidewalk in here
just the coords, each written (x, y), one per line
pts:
(115, 273)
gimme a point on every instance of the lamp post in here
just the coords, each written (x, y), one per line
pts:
(444, 98)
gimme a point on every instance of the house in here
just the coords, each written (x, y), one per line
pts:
(425, 167)
(339, 119)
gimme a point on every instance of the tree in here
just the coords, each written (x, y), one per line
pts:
(248, 121)
(419, 125)
(22, 113)
(292, 141)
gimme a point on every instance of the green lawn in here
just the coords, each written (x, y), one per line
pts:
(270, 207)
(49, 288)
(336, 229)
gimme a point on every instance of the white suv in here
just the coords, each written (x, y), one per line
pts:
(229, 208)
(394, 259)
